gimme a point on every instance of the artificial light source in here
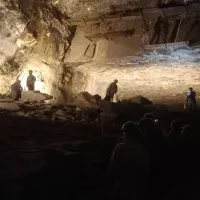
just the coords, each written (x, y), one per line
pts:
(39, 84)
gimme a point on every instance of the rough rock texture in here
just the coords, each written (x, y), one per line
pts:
(35, 38)
(154, 75)
(85, 100)
(59, 39)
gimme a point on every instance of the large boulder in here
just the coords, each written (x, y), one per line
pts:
(139, 100)
(34, 96)
(85, 100)
(122, 109)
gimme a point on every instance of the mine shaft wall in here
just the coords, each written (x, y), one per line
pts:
(153, 81)
(37, 35)
(120, 45)
(118, 35)
(117, 44)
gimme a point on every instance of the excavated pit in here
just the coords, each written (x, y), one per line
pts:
(161, 75)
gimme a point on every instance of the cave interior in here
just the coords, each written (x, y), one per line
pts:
(56, 141)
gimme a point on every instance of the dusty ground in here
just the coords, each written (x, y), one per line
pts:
(162, 73)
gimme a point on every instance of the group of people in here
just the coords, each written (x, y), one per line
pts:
(155, 160)
(161, 30)
(190, 100)
(16, 87)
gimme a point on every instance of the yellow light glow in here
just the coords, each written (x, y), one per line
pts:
(39, 84)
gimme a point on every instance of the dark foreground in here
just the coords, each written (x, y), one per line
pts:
(53, 160)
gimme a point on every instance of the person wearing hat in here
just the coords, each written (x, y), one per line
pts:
(129, 165)
(111, 91)
(16, 90)
(30, 82)
(191, 99)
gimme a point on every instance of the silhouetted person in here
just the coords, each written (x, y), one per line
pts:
(160, 29)
(16, 90)
(146, 127)
(171, 155)
(31, 81)
(189, 167)
(175, 130)
(175, 29)
(149, 116)
(111, 91)
(191, 99)
(152, 141)
(129, 165)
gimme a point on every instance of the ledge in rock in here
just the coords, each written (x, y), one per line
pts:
(34, 96)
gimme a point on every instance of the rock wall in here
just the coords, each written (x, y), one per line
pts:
(153, 77)
(66, 58)
(34, 36)
(106, 40)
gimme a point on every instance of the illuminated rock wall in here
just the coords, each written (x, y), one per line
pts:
(37, 42)
(37, 35)
(153, 80)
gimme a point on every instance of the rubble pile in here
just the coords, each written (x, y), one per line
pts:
(44, 111)
(33, 104)
(84, 109)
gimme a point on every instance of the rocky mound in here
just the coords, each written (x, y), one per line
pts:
(138, 100)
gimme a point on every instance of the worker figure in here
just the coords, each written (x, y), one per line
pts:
(159, 30)
(111, 91)
(129, 165)
(16, 90)
(191, 99)
(31, 81)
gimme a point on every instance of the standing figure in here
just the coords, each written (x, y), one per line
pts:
(111, 91)
(191, 99)
(16, 90)
(31, 81)
(161, 28)
(129, 165)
